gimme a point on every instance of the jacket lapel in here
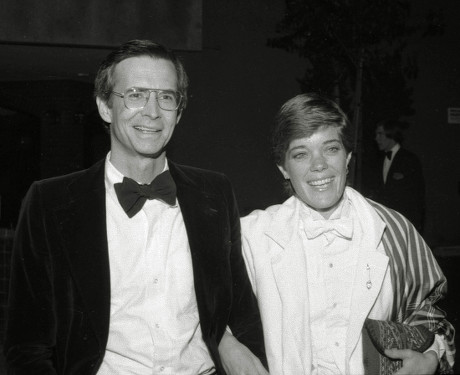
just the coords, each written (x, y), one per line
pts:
(289, 270)
(372, 264)
(84, 236)
(201, 211)
(371, 269)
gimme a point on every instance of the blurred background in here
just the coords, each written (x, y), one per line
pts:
(245, 58)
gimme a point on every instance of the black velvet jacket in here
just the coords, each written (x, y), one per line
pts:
(59, 302)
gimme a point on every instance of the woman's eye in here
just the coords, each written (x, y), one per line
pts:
(333, 149)
(300, 155)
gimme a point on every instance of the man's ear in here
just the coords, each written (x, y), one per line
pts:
(104, 111)
(283, 172)
(179, 116)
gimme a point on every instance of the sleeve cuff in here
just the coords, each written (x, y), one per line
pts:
(438, 346)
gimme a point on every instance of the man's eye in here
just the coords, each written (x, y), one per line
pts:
(135, 96)
(166, 97)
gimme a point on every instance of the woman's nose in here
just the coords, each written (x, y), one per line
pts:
(319, 163)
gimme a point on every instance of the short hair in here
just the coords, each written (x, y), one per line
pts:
(103, 83)
(302, 116)
(392, 129)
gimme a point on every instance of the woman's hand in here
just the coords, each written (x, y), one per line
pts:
(237, 359)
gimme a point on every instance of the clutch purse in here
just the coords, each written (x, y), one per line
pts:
(379, 335)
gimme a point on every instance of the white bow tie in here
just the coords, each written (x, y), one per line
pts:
(341, 227)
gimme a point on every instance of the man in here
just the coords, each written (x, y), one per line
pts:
(105, 282)
(400, 184)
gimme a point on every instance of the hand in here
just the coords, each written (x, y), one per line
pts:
(414, 362)
(237, 359)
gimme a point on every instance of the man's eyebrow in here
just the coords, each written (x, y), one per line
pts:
(332, 141)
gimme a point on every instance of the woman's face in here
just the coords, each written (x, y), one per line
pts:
(317, 168)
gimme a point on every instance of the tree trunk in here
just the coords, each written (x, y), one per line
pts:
(356, 167)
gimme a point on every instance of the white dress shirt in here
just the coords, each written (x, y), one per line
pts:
(331, 266)
(154, 321)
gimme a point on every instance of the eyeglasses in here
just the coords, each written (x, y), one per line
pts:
(137, 98)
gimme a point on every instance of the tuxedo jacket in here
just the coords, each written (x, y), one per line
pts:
(404, 190)
(59, 301)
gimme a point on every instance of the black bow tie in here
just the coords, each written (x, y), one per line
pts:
(132, 196)
(388, 154)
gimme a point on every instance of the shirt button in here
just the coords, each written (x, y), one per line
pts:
(331, 265)
(162, 368)
(334, 305)
(337, 344)
(157, 325)
(155, 281)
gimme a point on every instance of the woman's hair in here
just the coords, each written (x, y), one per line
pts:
(103, 84)
(302, 116)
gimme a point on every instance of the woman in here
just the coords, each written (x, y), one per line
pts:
(328, 258)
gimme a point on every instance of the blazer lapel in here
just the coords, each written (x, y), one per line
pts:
(84, 236)
(370, 273)
(201, 211)
(372, 264)
(289, 270)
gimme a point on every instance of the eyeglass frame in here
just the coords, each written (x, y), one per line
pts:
(156, 91)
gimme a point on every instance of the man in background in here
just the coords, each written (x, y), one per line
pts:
(399, 183)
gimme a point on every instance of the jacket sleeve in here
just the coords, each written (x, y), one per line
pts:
(244, 320)
(419, 284)
(30, 327)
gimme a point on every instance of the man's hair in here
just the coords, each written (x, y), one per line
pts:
(103, 83)
(302, 116)
(392, 129)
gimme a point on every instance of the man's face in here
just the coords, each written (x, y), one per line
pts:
(383, 142)
(317, 168)
(140, 133)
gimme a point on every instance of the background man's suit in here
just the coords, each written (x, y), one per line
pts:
(404, 190)
(62, 235)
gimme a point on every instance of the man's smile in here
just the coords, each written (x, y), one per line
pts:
(145, 129)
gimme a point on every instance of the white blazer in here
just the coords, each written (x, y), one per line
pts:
(275, 260)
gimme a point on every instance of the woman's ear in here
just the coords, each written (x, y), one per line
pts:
(349, 158)
(283, 172)
(104, 111)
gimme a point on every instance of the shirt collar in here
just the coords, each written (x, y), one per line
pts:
(395, 149)
(113, 175)
(341, 211)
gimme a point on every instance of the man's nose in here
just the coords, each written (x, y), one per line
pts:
(152, 108)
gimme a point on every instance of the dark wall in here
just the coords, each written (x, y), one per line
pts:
(430, 135)
(237, 85)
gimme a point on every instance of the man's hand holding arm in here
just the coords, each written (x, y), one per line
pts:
(414, 362)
